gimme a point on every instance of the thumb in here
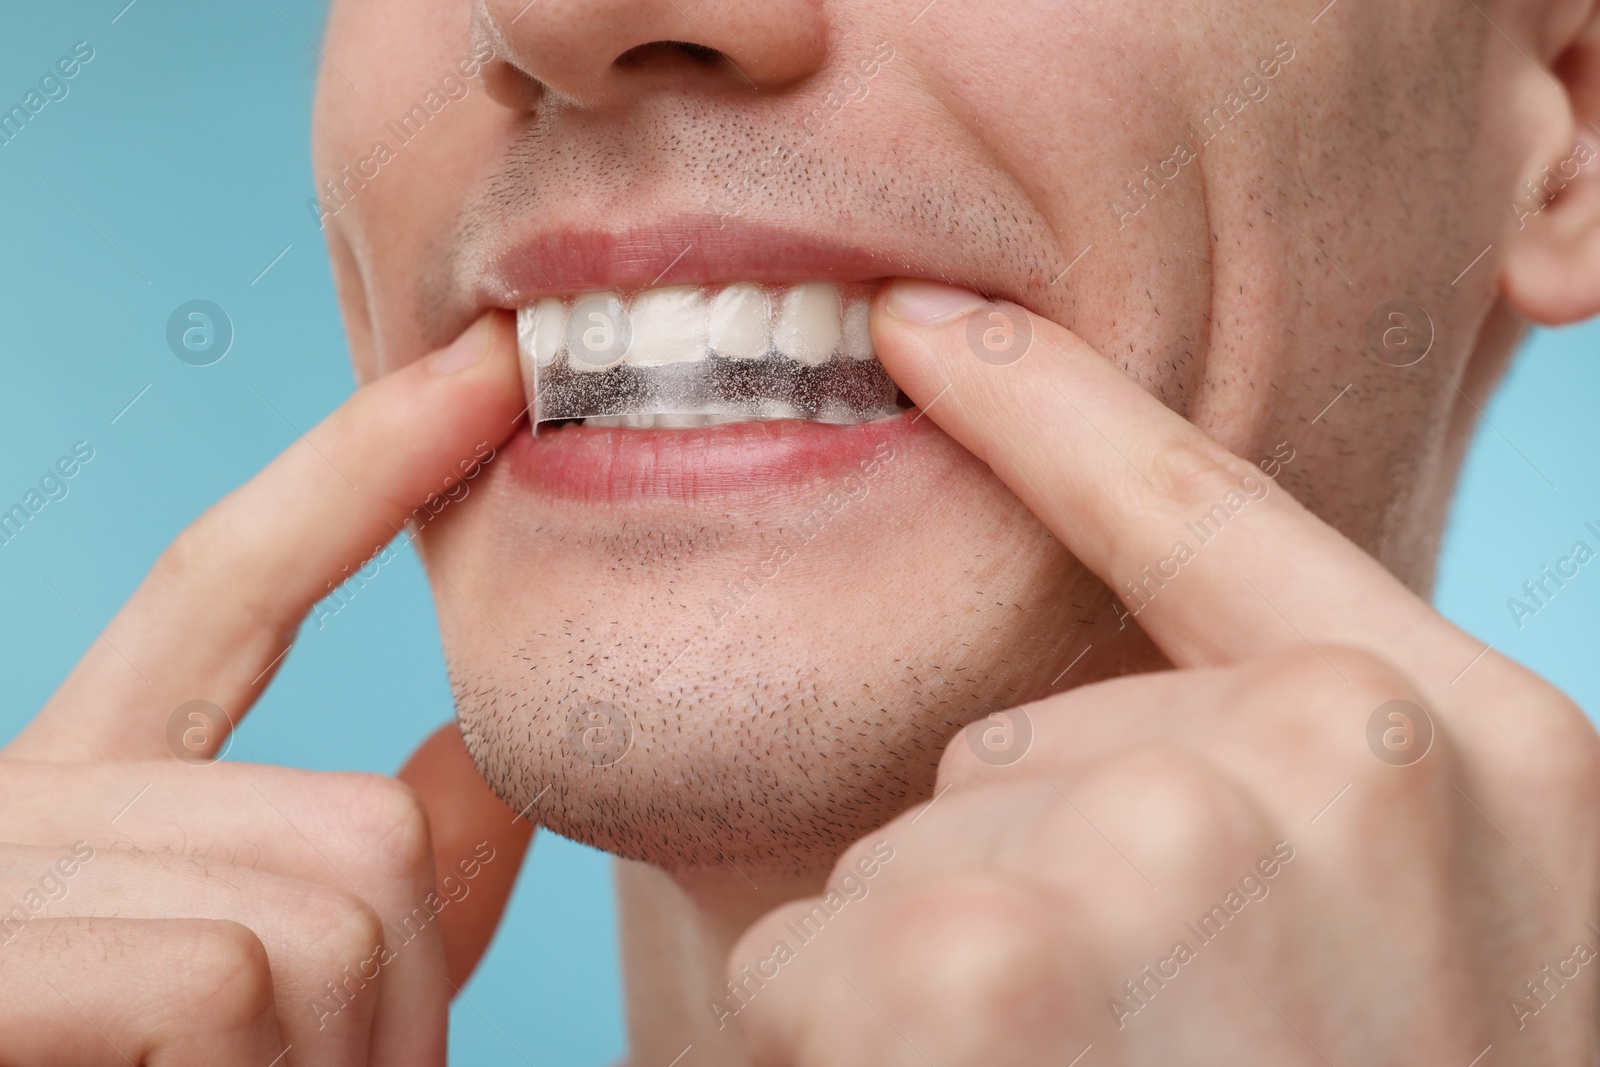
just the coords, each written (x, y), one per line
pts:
(478, 845)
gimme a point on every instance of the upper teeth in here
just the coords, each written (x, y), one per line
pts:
(684, 357)
(808, 324)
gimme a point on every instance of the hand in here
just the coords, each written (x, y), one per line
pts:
(1253, 858)
(163, 911)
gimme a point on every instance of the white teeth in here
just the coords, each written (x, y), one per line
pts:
(549, 330)
(857, 342)
(668, 326)
(598, 332)
(808, 328)
(805, 324)
(739, 322)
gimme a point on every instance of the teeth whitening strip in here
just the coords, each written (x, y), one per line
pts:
(687, 356)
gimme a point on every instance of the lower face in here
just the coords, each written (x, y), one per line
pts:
(746, 642)
(749, 643)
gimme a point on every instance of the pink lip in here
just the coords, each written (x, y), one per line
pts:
(689, 251)
(619, 467)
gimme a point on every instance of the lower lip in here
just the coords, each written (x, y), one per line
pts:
(620, 467)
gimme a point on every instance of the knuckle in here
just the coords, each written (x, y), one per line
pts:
(338, 924)
(389, 820)
(196, 561)
(966, 951)
(1323, 702)
(1575, 747)
(227, 975)
(184, 557)
(1346, 672)
(865, 859)
(1172, 813)
(1192, 472)
(1549, 741)
(959, 764)
(1373, 677)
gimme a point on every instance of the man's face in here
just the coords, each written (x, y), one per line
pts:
(749, 644)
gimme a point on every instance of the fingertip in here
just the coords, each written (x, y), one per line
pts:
(471, 386)
(920, 302)
(908, 321)
(465, 351)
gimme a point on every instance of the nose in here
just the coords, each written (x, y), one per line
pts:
(598, 53)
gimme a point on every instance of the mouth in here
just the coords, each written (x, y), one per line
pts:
(694, 361)
(693, 357)
(682, 392)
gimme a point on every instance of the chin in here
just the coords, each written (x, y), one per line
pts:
(758, 656)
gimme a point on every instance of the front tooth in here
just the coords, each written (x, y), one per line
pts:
(598, 332)
(739, 322)
(549, 330)
(669, 326)
(857, 343)
(808, 328)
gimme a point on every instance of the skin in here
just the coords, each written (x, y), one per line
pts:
(1189, 343)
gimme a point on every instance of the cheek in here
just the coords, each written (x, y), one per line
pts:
(395, 215)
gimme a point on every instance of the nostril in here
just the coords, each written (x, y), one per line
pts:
(640, 55)
(510, 86)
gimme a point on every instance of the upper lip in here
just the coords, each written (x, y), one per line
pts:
(688, 250)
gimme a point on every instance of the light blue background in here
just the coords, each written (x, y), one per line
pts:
(177, 168)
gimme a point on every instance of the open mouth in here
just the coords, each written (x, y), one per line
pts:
(691, 357)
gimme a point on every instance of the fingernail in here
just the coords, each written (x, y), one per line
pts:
(929, 303)
(465, 351)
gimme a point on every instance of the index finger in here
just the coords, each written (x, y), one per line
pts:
(219, 609)
(1215, 561)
